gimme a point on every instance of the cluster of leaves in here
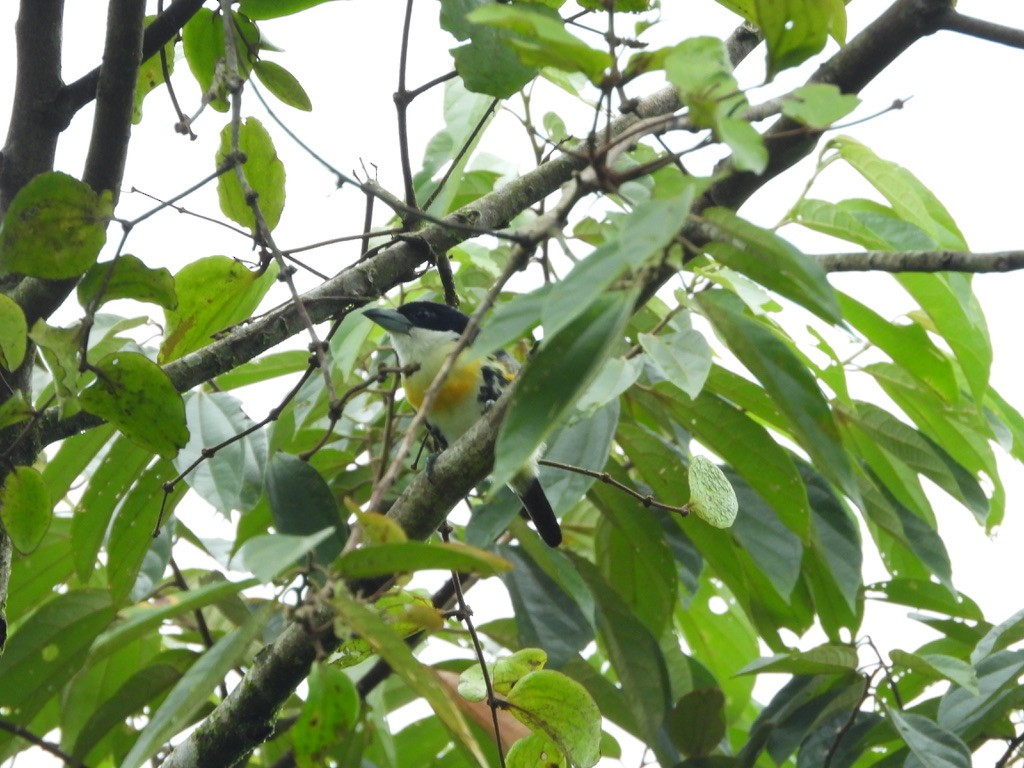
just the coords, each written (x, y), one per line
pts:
(649, 619)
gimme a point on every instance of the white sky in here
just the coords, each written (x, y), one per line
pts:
(959, 133)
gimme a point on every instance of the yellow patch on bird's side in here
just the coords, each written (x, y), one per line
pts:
(461, 382)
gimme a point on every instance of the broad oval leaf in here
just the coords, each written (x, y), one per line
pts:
(330, 710)
(561, 708)
(13, 334)
(541, 40)
(214, 293)
(134, 394)
(54, 228)
(283, 84)
(231, 478)
(684, 358)
(127, 278)
(263, 171)
(302, 504)
(25, 508)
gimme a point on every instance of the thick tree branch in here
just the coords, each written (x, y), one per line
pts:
(32, 133)
(922, 261)
(983, 30)
(108, 147)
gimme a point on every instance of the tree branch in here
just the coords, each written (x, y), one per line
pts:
(983, 30)
(108, 147)
(922, 261)
(76, 95)
(32, 133)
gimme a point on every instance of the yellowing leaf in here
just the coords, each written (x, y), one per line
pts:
(55, 228)
(132, 393)
(25, 508)
(214, 293)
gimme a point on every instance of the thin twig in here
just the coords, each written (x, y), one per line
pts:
(644, 498)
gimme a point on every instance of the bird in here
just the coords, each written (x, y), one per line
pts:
(423, 333)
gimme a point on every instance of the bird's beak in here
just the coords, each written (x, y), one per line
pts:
(389, 319)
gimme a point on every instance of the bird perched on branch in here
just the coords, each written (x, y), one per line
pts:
(423, 333)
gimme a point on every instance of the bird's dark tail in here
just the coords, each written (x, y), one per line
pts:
(537, 506)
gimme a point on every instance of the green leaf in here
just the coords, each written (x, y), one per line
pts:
(748, 150)
(13, 334)
(283, 84)
(712, 498)
(48, 648)
(701, 71)
(450, 149)
(25, 508)
(730, 432)
(117, 471)
(557, 375)
(408, 556)
(145, 620)
(648, 230)
(612, 380)
(910, 199)
(487, 65)
(302, 504)
(957, 316)
(202, 40)
(231, 478)
(547, 615)
(908, 345)
(127, 278)
(132, 532)
(634, 557)
(933, 745)
(786, 379)
(263, 171)
(683, 357)
(193, 689)
(59, 348)
(633, 651)
(272, 9)
(561, 708)
(696, 723)
(540, 39)
(586, 443)
(925, 595)
(131, 698)
(969, 715)
(825, 659)
(268, 556)
(353, 616)
(214, 293)
(937, 666)
(795, 30)
(329, 712)
(818, 105)
(54, 228)
(134, 394)
(1000, 636)
(772, 262)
